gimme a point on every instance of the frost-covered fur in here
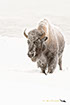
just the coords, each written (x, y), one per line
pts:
(47, 51)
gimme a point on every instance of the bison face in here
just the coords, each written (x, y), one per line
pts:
(35, 44)
(34, 49)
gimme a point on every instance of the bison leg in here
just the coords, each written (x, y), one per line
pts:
(42, 65)
(60, 63)
(43, 70)
(52, 64)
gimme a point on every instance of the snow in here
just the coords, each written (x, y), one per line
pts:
(22, 83)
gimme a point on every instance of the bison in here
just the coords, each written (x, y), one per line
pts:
(46, 45)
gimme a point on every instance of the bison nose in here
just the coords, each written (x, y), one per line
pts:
(30, 54)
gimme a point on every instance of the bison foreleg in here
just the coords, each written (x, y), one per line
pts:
(60, 63)
(42, 65)
(52, 64)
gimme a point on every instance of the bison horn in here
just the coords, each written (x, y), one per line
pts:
(25, 34)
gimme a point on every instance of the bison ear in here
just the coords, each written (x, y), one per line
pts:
(44, 39)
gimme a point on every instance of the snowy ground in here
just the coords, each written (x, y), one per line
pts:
(22, 83)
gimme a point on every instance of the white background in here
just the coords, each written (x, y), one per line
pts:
(21, 82)
(19, 7)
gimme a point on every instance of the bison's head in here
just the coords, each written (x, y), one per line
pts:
(35, 43)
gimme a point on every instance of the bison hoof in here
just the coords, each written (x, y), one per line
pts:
(44, 72)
